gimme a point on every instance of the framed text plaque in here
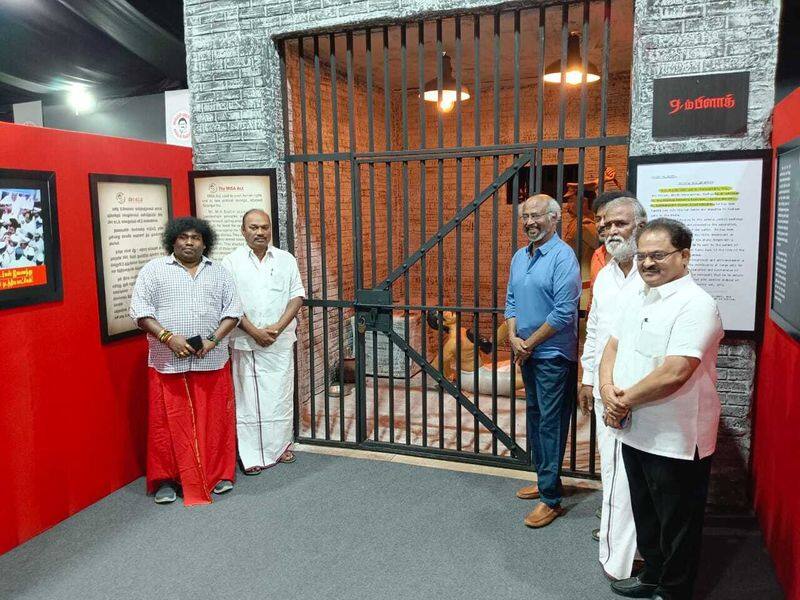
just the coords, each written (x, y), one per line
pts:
(30, 255)
(721, 197)
(222, 198)
(785, 296)
(128, 219)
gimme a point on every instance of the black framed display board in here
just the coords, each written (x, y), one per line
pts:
(222, 198)
(723, 198)
(30, 253)
(784, 307)
(128, 218)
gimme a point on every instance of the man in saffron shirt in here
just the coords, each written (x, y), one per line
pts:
(191, 439)
(544, 288)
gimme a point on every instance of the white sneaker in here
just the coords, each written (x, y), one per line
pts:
(223, 486)
(166, 494)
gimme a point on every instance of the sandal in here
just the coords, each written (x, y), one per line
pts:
(253, 471)
(288, 457)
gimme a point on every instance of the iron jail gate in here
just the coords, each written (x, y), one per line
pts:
(403, 210)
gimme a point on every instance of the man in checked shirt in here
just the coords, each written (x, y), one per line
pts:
(191, 438)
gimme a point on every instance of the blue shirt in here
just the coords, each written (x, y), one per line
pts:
(545, 287)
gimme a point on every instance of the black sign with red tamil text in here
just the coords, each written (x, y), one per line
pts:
(701, 105)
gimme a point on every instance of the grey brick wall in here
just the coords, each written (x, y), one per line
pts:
(234, 80)
(683, 37)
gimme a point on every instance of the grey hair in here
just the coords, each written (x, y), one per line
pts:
(553, 207)
(639, 213)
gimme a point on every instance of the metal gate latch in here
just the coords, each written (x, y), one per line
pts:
(373, 310)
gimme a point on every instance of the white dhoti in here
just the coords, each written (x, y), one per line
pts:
(617, 528)
(263, 382)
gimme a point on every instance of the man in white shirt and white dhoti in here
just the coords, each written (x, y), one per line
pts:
(271, 291)
(622, 220)
(658, 380)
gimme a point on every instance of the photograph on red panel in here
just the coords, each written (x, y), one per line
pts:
(29, 266)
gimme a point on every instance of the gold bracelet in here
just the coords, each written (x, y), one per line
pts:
(161, 333)
(167, 337)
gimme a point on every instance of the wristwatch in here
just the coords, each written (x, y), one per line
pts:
(213, 338)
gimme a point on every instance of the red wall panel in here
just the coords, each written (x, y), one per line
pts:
(776, 439)
(72, 411)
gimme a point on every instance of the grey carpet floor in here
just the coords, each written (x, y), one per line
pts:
(344, 528)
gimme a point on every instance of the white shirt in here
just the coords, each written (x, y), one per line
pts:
(676, 319)
(610, 289)
(265, 288)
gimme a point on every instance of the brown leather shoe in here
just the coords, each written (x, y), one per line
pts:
(529, 492)
(542, 515)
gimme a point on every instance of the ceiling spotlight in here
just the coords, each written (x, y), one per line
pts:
(449, 89)
(81, 99)
(574, 70)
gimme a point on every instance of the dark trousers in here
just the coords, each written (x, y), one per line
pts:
(550, 389)
(668, 497)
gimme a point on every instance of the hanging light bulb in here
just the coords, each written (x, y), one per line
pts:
(450, 94)
(574, 71)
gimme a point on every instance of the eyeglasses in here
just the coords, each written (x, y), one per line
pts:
(654, 256)
(533, 217)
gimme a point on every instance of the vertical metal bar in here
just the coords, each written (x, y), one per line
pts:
(373, 239)
(512, 412)
(440, 220)
(406, 276)
(323, 240)
(580, 194)
(459, 366)
(355, 178)
(516, 76)
(423, 223)
(281, 47)
(495, 212)
(387, 127)
(562, 104)
(476, 264)
(537, 189)
(337, 187)
(371, 147)
(309, 258)
(604, 93)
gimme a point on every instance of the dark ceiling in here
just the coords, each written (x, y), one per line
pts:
(118, 47)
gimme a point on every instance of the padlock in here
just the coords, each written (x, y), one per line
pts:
(362, 325)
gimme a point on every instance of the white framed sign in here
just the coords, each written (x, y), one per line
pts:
(720, 197)
(222, 198)
(128, 218)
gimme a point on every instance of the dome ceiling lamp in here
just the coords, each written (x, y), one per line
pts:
(574, 70)
(449, 88)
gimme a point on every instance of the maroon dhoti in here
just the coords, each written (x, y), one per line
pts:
(191, 435)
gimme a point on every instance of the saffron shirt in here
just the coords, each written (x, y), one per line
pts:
(544, 286)
(675, 319)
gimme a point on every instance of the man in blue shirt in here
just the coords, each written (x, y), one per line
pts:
(544, 288)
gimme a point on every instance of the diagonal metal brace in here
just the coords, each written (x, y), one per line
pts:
(471, 207)
(448, 387)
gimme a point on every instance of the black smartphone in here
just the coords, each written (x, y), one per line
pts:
(195, 342)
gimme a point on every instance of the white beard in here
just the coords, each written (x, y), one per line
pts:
(622, 250)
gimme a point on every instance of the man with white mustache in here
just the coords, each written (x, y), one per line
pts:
(620, 223)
